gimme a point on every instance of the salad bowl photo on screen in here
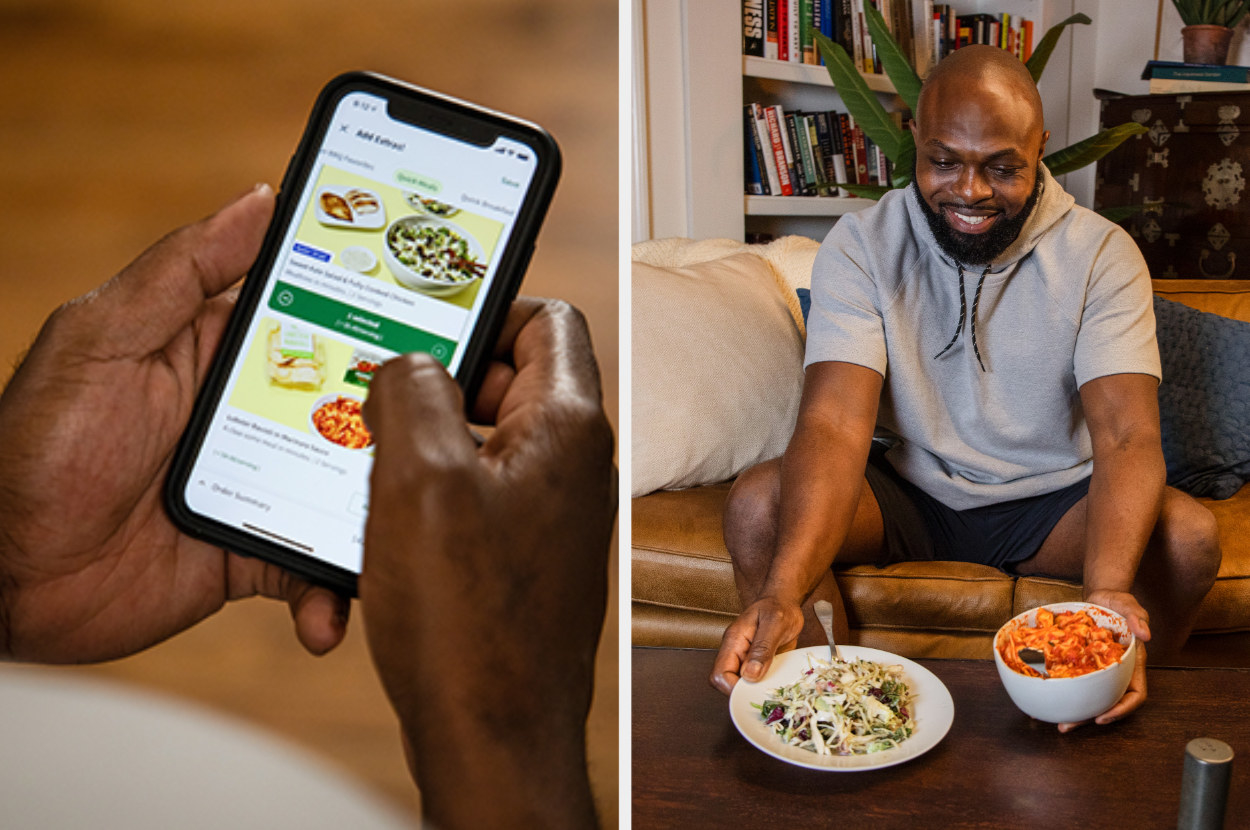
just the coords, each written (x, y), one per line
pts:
(432, 254)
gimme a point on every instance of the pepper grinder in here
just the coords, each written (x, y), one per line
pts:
(1204, 787)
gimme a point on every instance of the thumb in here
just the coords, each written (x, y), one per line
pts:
(763, 650)
(415, 412)
(1139, 625)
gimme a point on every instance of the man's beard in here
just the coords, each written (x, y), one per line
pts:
(978, 248)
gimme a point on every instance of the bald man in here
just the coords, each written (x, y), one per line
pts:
(997, 341)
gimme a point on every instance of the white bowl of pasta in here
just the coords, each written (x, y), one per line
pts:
(1090, 654)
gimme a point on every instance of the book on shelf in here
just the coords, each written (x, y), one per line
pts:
(924, 30)
(923, 52)
(779, 144)
(841, 31)
(855, 22)
(1171, 77)
(770, 177)
(805, 164)
(781, 23)
(770, 28)
(859, 144)
(828, 152)
(1177, 86)
(846, 130)
(753, 27)
(806, 43)
(755, 177)
(794, 25)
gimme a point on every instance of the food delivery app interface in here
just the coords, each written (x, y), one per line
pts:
(394, 243)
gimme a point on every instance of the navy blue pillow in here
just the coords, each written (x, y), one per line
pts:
(1204, 400)
(805, 302)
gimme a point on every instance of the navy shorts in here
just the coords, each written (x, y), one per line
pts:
(918, 526)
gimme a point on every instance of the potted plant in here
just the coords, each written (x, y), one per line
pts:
(898, 144)
(1209, 27)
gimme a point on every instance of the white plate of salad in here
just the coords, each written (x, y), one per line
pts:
(867, 715)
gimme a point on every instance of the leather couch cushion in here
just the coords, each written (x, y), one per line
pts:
(1229, 298)
(680, 562)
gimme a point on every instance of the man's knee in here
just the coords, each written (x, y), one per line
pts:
(1190, 538)
(750, 518)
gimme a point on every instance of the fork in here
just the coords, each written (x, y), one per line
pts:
(824, 613)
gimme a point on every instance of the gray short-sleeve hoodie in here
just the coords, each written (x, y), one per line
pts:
(1067, 302)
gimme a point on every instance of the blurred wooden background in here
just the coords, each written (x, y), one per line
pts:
(121, 119)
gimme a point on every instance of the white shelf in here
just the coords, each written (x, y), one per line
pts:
(804, 205)
(804, 73)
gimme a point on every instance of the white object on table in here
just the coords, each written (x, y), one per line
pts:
(85, 752)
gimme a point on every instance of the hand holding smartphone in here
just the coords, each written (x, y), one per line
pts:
(404, 223)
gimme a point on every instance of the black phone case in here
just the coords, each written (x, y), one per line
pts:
(438, 113)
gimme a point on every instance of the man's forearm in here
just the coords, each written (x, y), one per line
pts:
(1125, 496)
(822, 473)
(1126, 490)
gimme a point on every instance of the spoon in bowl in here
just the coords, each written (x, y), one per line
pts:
(824, 613)
(1035, 660)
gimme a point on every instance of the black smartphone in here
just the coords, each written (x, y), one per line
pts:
(404, 223)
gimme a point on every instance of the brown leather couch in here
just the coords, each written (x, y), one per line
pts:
(683, 591)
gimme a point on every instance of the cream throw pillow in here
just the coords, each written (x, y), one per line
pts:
(717, 366)
(789, 257)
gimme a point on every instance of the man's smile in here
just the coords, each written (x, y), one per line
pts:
(969, 220)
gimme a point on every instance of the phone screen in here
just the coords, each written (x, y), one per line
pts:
(392, 242)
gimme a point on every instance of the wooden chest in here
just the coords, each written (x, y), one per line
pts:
(1187, 177)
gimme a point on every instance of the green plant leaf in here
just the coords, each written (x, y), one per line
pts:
(868, 191)
(1091, 149)
(1037, 61)
(1185, 9)
(1233, 11)
(1119, 213)
(906, 81)
(861, 102)
(1198, 12)
(905, 164)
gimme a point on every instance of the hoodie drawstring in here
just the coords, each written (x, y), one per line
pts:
(976, 301)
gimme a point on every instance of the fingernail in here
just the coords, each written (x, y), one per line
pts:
(753, 668)
(259, 187)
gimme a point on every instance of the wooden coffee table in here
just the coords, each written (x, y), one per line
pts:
(996, 768)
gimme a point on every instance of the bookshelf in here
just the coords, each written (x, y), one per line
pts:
(696, 82)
